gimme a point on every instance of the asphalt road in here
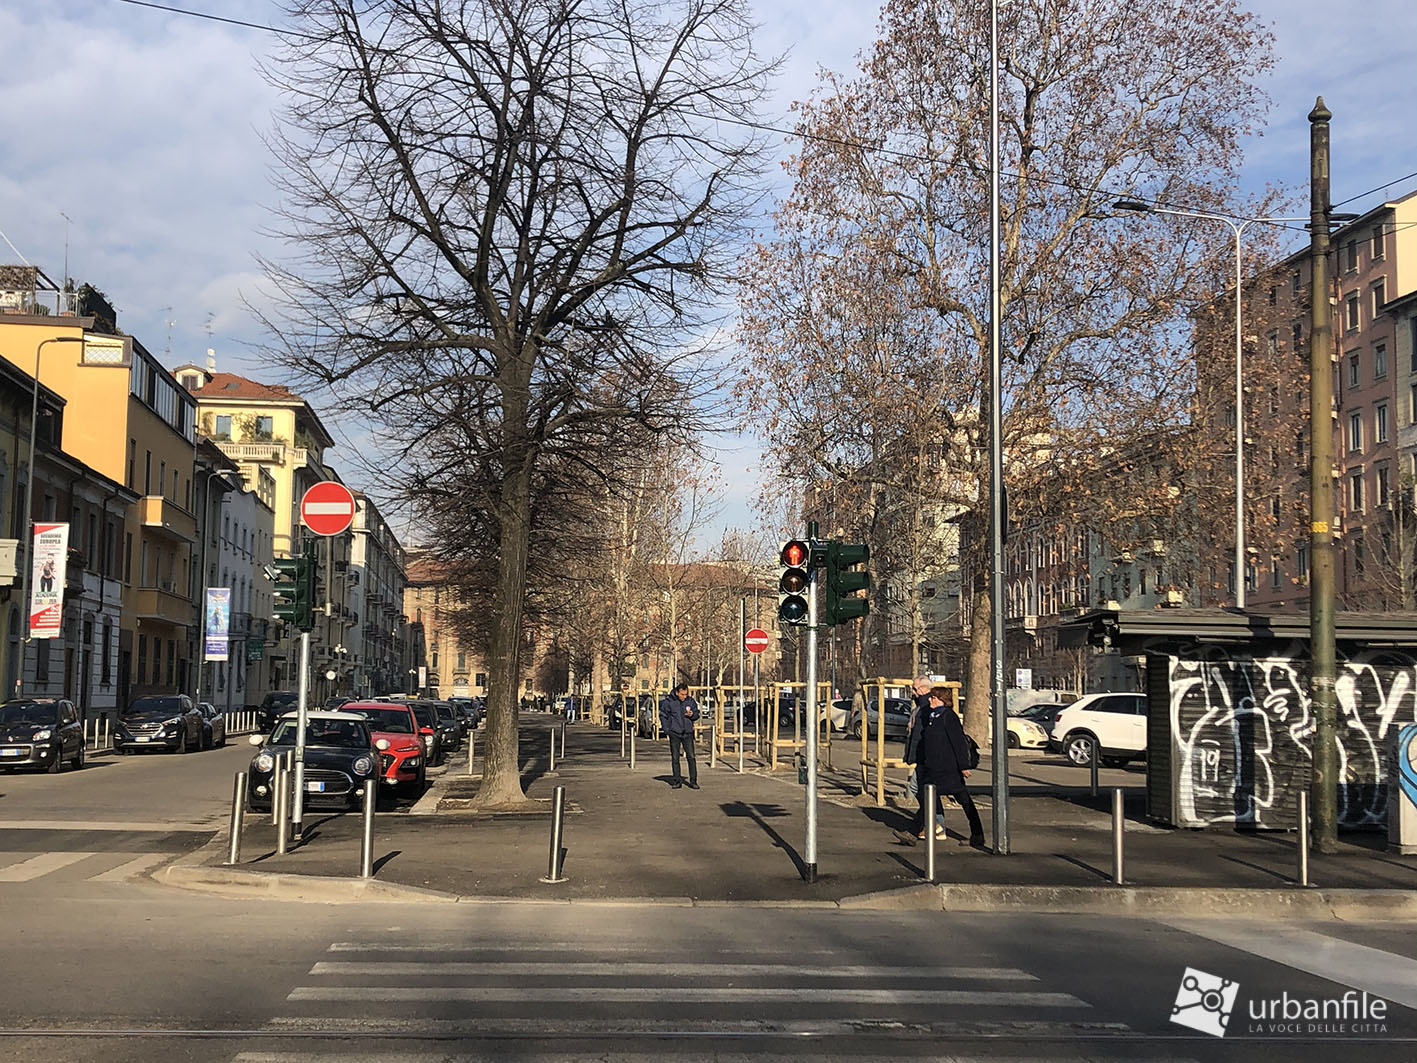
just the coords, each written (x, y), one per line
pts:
(131, 971)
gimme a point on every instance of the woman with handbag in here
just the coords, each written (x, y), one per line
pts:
(943, 757)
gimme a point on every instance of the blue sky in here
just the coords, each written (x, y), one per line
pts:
(144, 128)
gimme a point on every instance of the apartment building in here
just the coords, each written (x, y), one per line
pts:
(379, 637)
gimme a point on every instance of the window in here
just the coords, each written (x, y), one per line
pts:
(265, 428)
(1296, 284)
(1296, 334)
(1355, 370)
(105, 654)
(1379, 361)
(133, 455)
(147, 472)
(1355, 492)
(1381, 484)
(1379, 293)
(1377, 241)
(1271, 341)
(1412, 404)
(1276, 506)
(1360, 556)
(1275, 576)
(1301, 561)
(128, 558)
(41, 661)
(1252, 576)
(222, 426)
(162, 477)
(1380, 423)
(142, 659)
(1350, 317)
(1355, 432)
(1350, 256)
(1273, 295)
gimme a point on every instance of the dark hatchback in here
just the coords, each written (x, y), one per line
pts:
(40, 733)
(435, 749)
(168, 721)
(275, 705)
(339, 758)
(450, 728)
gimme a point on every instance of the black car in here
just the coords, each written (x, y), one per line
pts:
(449, 726)
(159, 721)
(275, 705)
(339, 758)
(213, 725)
(468, 709)
(435, 749)
(40, 733)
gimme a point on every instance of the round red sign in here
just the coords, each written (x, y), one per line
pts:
(327, 508)
(755, 641)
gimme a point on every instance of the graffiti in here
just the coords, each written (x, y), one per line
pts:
(1243, 730)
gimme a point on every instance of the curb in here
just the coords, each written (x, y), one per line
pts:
(287, 887)
(1345, 904)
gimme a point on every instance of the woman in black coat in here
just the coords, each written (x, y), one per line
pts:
(941, 759)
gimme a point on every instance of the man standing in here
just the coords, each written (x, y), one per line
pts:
(677, 713)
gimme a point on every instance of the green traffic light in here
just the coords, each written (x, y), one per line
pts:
(843, 582)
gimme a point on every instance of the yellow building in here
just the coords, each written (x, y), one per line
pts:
(127, 418)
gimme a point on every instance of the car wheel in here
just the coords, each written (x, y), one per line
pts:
(182, 742)
(856, 729)
(57, 764)
(222, 743)
(1080, 749)
(206, 738)
(1013, 740)
(79, 757)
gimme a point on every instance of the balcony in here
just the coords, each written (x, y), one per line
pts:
(167, 518)
(270, 453)
(162, 603)
(240, 625)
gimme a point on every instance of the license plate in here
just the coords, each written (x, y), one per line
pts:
(141, 738)
(12, 752)
(314, 787)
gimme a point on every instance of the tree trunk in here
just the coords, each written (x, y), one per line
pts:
(501, 773)
(597, 695)
(976, 705)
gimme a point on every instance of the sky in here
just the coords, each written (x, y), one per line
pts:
(135, 135)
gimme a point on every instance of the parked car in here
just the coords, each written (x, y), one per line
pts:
(40, 733)
(449, 726)
(471, 710)
(614, 710)
(1043, 714)
(336, 701)
(276, 704)
(213, 725)
(1025, 733)
(839, 714)
(339, 757)
(396, 737)
(159, 721)
(1114, 725)
(434, 751)
(897, 718)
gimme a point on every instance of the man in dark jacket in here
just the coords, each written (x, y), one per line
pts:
(941, 757)
(677, 713)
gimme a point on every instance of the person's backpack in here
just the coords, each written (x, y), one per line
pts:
(971, 760)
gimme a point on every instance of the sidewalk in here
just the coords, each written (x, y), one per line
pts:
(741, 838)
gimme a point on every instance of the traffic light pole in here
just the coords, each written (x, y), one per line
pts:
(809, 870)
(301, 720)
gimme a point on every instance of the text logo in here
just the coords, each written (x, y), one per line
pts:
(1204, 1002)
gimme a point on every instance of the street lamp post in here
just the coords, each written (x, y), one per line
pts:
(1238, 228)
(29, 509)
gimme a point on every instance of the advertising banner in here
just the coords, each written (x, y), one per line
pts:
(50, 559)
(218, 623)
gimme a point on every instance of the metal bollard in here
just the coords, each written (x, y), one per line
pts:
(633, 735)
(366, 845)
(1117, 822)
(929, 832)
(277, 787)
(558, 815)
(1092, 768)
(238, 818)
(552, 735)
(740, 738)
(713, 740)
(622, 734)
(281, 802)
(563, 741)
(1303, 838)
(471, 749)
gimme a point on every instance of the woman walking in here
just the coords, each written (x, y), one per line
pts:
(941, 758)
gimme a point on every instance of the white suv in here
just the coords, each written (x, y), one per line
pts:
(1113, 725)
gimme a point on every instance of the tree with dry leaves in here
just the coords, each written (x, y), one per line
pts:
(880, 255)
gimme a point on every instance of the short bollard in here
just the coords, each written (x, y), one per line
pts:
(563, 741)
(1303, 838)
(282, 806)
(632, 749)
(622, 734)
(1092, 768)
(929, 832)
(366, 846)
(471, 749)
(558, 815)
(552, 734)
(238, 817)
(1117, 822)
(277, 785)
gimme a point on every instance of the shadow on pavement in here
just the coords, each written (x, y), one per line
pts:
(760, 814)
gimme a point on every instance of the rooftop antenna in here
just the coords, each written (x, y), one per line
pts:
(211, 351)
(169, 321)
(67, 222)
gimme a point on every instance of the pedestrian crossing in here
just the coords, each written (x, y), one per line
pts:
(86, 866)
(450, 990)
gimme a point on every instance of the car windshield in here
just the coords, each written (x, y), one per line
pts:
(424, 715)
(345, 734)
(281, 699)
(29, 712)
(390, 721)
(155, 704)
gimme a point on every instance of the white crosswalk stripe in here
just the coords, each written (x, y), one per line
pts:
(86, 865)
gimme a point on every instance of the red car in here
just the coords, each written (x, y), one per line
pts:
(398, 739)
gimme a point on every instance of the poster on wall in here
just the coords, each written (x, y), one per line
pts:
(51, 550)
(218, 623)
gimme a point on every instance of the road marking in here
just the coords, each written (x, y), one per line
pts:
(42, 864)
(1013, 1029)
(127, 827)
(691, 994)
(1380, 973)
(670, 970)
(135, 866)
(557, 947)
(745, 1055)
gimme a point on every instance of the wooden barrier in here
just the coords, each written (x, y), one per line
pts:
(777, 745)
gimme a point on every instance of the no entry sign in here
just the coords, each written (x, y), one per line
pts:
(755, 641)
(327, 508)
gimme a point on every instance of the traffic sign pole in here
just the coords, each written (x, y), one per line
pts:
(742, 644)
(809, 871)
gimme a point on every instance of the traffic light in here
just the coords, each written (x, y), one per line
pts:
(843, 581)
(293, 578)
(795, 556)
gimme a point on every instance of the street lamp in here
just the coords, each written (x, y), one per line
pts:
(29, 508)
(1238, 228)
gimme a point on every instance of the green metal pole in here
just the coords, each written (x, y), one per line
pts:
(1321, 621)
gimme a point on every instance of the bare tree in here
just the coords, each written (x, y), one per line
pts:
(509, 218)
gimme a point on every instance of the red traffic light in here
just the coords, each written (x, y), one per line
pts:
(795, 553)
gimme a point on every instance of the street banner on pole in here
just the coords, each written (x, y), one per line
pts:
(218, 624)
(50, 565)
